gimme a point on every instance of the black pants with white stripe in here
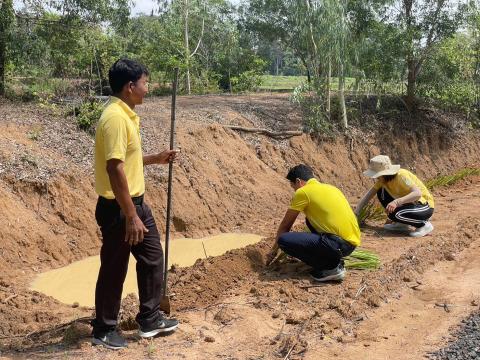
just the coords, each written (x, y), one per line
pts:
(414, 214)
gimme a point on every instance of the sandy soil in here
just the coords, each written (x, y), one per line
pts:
(259, 313)
(230, 306)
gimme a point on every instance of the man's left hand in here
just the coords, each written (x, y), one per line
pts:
(166, 156)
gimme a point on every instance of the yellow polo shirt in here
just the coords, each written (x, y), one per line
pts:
(402, 184)
(118, 137)
(327, 209)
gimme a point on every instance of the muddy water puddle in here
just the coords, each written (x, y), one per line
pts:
(76, 282)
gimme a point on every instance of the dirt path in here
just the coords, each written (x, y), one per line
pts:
(417, 323)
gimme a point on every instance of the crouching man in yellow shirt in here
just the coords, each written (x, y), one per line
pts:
(334, 231)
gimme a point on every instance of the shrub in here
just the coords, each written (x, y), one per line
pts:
(247, 81)
(313, 110)
(88, 115)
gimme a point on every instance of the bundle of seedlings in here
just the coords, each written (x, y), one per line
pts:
(361, 259)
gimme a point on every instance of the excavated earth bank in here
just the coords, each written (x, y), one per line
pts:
(224, 181)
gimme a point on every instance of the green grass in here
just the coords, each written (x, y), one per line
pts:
(272, 82)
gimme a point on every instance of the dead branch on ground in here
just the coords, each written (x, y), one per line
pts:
(273, 134)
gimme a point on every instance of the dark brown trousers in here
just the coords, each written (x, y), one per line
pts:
(114, 256)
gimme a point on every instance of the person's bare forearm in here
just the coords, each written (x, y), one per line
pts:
(119, 184)
(150, 159)
(409, 198)
(162, 158)
(286, 223)
(282, 228)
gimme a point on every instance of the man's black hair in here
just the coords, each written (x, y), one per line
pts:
(124, 71)
(301, 171)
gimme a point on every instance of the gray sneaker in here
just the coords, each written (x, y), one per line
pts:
(396, 226)
(111, 339)
(337, 274)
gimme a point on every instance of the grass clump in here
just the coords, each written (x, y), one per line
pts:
(371, 211)
(448, 180)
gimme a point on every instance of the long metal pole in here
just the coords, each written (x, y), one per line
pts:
(170, 178)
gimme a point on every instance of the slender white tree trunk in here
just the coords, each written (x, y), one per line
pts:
(341, 96)
(328, 92)
(187, 48)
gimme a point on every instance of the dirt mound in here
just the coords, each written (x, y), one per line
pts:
(209, 279)
(24, 314)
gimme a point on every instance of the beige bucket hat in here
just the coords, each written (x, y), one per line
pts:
(381, 165)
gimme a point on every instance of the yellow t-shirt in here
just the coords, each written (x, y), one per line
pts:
(402, 184)
(118, 137)
(327, 209)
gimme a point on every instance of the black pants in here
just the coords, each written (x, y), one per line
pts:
(320, 251)
(414, 214)
(114, 256)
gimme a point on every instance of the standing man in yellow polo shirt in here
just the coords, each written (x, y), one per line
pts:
(125, 220)
(334, 231)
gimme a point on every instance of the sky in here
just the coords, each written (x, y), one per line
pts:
(139, 6)
(143, 6)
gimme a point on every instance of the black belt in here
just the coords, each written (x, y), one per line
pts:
(138, 200)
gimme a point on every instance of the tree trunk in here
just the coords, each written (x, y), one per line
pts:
(3, 61)
(328, 92)
(411, 64)
(187, 48)
(411, 84)
(6, 19)
(309, 76)
(341, 96)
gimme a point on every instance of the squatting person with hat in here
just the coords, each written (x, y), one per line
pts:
(125, 220)
(405, 198)
(334, 231)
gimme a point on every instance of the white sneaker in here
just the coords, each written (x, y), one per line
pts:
(396, 226)
(422, 231)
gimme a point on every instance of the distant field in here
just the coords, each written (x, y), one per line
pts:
(272, 82)
(280, 82)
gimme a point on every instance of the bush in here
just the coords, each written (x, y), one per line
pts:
(451, 95)
(88, 115)
(313, 110)
(247, 81)
(41, 89)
